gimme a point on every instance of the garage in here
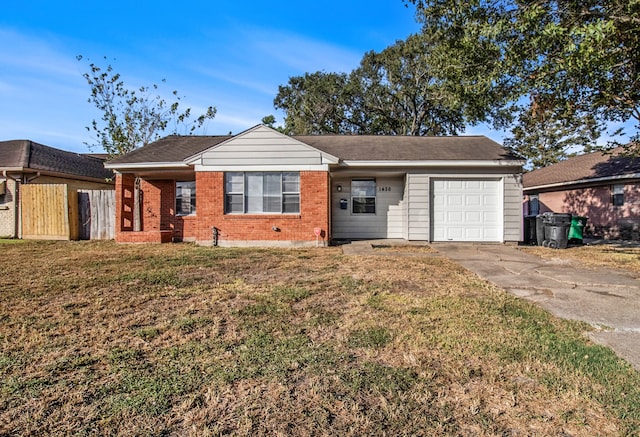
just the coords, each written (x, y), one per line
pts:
(467, 210)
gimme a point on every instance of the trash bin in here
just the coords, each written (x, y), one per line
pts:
(576, 230)
(555, 230)
(540, 221)
(556, 236)
(530, 229)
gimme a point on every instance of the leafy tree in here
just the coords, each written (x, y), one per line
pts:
(582, 55)
(401, 94)
(316, 103)
(134, 118)
(410, 88)
(543, 139)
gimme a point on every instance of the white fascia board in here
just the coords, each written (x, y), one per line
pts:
(436, 163)
(247, 168)
(146, 166)
(585, 181)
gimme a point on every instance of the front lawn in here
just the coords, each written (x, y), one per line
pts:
(98, 338)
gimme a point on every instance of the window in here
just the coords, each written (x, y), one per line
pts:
(185, 198)
(262, 192)
(617, 196)
(534, 204)
(363, 196)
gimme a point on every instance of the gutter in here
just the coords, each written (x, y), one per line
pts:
(145, 165)
(435, 163)
(584, 181)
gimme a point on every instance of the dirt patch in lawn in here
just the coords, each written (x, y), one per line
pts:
(98, 338)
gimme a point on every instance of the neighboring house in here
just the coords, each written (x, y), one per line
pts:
(603, 187)
(24, 162)
(261, 187)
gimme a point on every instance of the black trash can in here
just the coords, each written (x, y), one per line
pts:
(530, 229)
(557, 236)
(540, 222)
(556, 230)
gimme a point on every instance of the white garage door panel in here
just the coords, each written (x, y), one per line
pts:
(467, 210)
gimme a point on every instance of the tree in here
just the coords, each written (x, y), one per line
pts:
(582, 55)
(316, 103)
(543, 139)
(134, 118)
(410, 88)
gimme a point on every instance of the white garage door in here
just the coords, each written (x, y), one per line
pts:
(467, 210)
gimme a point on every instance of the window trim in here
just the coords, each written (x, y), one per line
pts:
(353, 198)
(192, 199)
(245, 187)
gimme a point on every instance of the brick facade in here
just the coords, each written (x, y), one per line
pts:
(604, 218)
(160, 223)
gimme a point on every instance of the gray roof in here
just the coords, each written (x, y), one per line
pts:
(176, 148)
(407, 148)
(584, 168)
(27, 155)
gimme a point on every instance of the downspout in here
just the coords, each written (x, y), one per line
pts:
(32, 178)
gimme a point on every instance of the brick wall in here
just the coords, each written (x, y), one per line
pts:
(9, 210)
(156, 210)
(238, 229)
(604, 218)
(160, 224)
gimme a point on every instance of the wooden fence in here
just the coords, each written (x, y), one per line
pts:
(97, 210)
(49, 212)
(57, 212)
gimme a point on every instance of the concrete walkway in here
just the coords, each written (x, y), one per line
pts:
(606, 299)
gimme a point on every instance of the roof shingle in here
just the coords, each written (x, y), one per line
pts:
(25, 154)
(176, 148)
(582, 168)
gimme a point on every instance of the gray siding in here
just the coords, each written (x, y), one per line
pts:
(387, 222)
(418, 200)
(261, 146)
(418, 206)
(512, 208)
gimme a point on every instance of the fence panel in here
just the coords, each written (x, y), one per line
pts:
(45, 212)
(97, 214)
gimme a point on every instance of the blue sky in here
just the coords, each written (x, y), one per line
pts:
(232, 55)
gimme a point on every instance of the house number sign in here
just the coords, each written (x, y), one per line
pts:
(384, 189)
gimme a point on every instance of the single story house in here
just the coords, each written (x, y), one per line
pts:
(24, 162)
(264, 188)
(604, 187)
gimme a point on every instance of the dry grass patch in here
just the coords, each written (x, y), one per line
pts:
(597, 256)
(98, 338)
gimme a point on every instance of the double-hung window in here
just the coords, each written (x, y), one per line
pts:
(185, 198)
(363, 196)
(617, 195)
(262, 192)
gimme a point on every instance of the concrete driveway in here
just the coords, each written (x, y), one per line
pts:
(606, 299)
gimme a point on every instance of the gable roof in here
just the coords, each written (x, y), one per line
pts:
(586, 168)
(25, 155)
(178, 149)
